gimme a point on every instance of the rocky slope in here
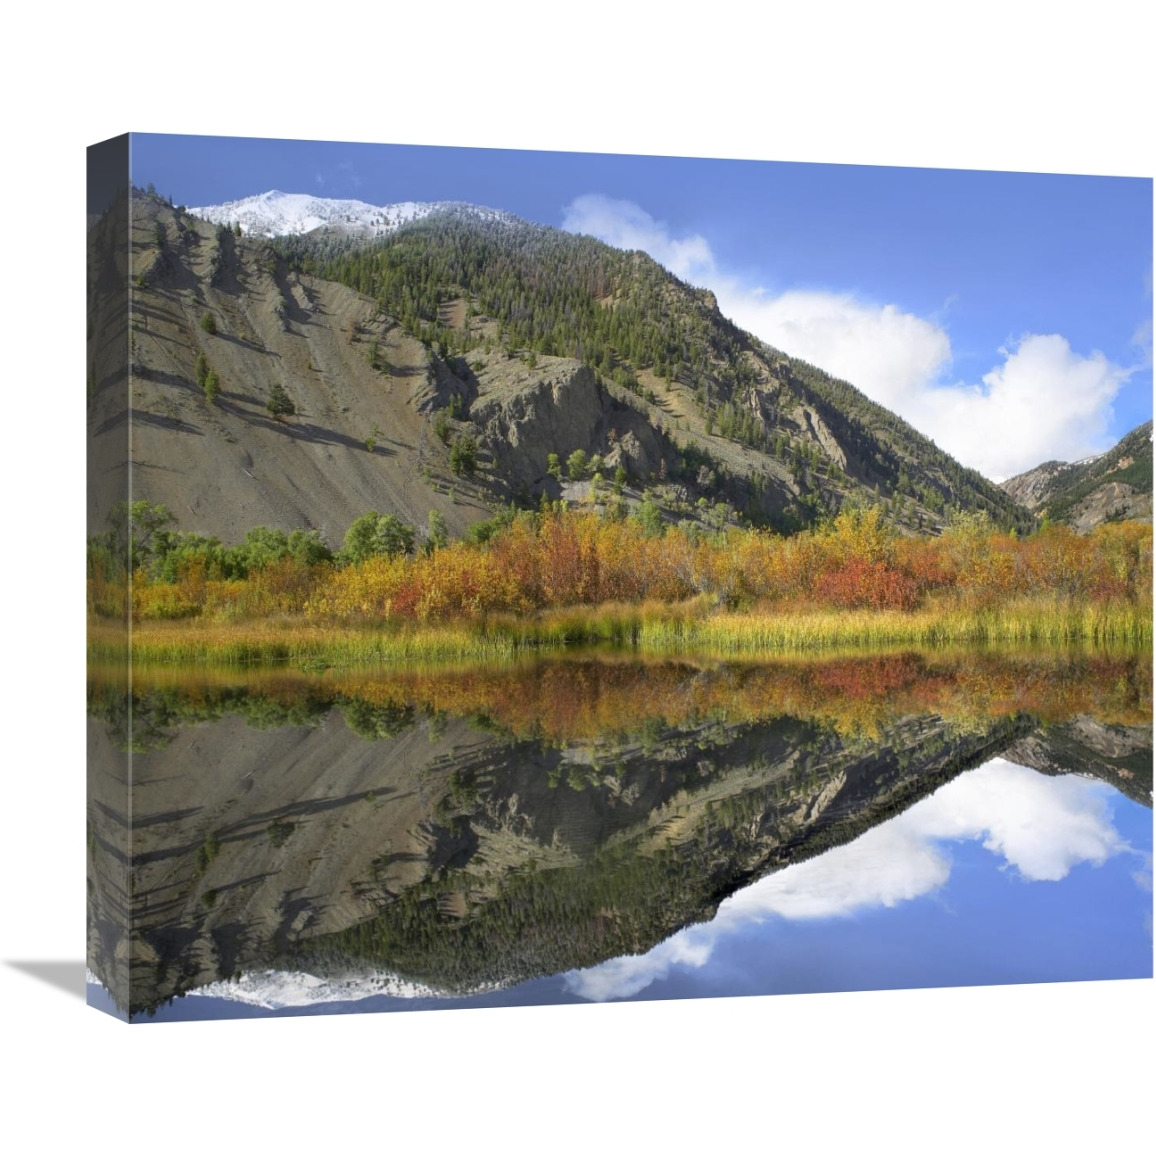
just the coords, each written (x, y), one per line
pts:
(1115, 486)
(1119, 755)
(358, 440)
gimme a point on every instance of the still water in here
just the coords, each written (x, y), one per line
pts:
(601, 828)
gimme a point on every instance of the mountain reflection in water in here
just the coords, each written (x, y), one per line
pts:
(1040, 828)
(596, 828)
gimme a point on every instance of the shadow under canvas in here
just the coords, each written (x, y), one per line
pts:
(66, 975)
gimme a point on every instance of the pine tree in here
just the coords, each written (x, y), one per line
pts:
(280, 404)
(464, 454)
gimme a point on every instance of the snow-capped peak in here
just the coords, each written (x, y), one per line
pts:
(277, 214)
(274, 990)
(284, 989)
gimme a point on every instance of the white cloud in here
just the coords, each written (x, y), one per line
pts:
(629, 974)
(1142, 341)
(1044, 401)
(1041, 401)
(890, 865)
(1142, 876)
(887, 353)
(625, 225)
(1041, 826)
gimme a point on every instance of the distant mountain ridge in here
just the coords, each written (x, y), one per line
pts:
(1108, 487)
(278, 214)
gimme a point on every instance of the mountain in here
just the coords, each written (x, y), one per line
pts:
(1107, 488)
(276, 214)
(437, 357)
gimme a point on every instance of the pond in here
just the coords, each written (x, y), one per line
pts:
(597, 827)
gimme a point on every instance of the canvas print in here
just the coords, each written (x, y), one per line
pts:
(528, 577)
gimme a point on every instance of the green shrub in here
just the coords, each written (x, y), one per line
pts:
(576, 465)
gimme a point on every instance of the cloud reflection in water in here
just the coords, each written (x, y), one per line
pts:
(1039, 826)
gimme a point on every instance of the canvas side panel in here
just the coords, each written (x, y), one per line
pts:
(109, 311)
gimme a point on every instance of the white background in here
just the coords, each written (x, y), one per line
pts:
(1048, 1068)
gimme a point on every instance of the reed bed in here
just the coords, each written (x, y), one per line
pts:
(1035, 622)
(652, 628)
(296, 643)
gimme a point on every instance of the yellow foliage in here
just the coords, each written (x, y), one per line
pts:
(579, 560)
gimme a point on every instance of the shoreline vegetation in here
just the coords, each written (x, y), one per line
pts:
(544, 581)
(673, 630)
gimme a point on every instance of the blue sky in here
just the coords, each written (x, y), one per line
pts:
(1006, 315)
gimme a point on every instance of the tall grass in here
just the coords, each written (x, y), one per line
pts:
(294, 642)
(655, 628)
(1045, 621)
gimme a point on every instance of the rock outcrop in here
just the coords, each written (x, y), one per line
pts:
(557, 407)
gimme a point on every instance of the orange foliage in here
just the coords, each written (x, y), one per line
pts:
(859, 583)
(557, 560)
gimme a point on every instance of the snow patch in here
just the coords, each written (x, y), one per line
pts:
(283, 989)
(278, 214)
(273, 990)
